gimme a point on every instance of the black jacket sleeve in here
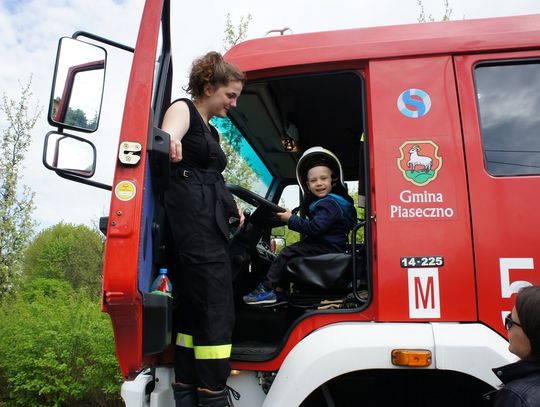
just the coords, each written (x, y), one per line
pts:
(508, 398)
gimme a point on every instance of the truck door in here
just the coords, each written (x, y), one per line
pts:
(423, 266)
(500, 106)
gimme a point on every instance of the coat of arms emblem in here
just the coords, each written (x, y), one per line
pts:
(419, 161)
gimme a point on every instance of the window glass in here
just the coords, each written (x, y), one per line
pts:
(244, 167)
(509, 107)
(290, 199)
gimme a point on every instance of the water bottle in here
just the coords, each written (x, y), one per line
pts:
(162, 285)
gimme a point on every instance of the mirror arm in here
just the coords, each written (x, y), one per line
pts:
(83, 180)
(102, 40)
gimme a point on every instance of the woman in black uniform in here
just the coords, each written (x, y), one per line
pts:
(199, 208)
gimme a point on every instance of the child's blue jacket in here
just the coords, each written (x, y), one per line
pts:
(330, 219)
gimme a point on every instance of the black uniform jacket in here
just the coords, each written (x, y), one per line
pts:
(521, 384)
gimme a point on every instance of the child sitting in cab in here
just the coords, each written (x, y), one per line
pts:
(330, 217)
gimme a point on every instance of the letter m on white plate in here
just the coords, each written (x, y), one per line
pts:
(424, 300)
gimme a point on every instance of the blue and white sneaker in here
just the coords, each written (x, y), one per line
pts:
(260, 295)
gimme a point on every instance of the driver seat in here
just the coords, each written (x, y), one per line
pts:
(329, 272)
(326, 280)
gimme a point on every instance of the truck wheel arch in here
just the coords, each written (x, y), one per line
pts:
(343, 348)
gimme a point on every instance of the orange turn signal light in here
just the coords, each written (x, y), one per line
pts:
(411, 357)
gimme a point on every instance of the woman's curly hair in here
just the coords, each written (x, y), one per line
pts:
(214, 70)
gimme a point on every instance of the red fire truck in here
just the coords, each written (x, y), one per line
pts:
(436, 125)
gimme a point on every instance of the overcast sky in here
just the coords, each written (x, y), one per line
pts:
(30, 29)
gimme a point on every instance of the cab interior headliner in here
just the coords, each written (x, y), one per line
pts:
(326, 109)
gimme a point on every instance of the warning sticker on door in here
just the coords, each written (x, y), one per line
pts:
(125, 190)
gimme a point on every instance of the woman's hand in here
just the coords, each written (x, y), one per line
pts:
(175, 152)
(284, 216)
(176, 123)
(240, 216)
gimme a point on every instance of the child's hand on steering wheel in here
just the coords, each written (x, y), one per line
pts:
(284, 216)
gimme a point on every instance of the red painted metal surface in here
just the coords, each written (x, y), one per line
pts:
(121, 298)
(373, 43)
(504, 210)
(420, 220)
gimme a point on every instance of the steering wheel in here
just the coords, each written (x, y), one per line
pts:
(253, 199)
(245, 239)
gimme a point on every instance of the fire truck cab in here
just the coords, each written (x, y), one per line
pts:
(436, 126)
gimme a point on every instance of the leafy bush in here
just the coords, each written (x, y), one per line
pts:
(67, 252)
(56, 348)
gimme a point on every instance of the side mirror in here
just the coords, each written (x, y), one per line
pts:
(69, 154)
(78, 82)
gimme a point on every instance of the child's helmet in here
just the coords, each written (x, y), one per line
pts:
(313, 157)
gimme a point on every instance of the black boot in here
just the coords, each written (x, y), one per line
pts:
(185, 395)
(209, 398)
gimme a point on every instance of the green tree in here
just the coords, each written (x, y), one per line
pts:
(16, 204)
(360, 216)
(235, 34)
(93, 124)
(238, 171)
(72, 253)
(77, 118)
(422, 17)
(56, 349)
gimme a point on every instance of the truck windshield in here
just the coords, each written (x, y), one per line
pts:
(244, 168)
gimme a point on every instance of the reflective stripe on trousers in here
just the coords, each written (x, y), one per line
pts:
(204, 352)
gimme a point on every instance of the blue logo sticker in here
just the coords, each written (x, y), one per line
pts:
(414, 103)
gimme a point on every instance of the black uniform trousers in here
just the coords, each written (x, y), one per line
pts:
(204, 308)
(204, 321)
